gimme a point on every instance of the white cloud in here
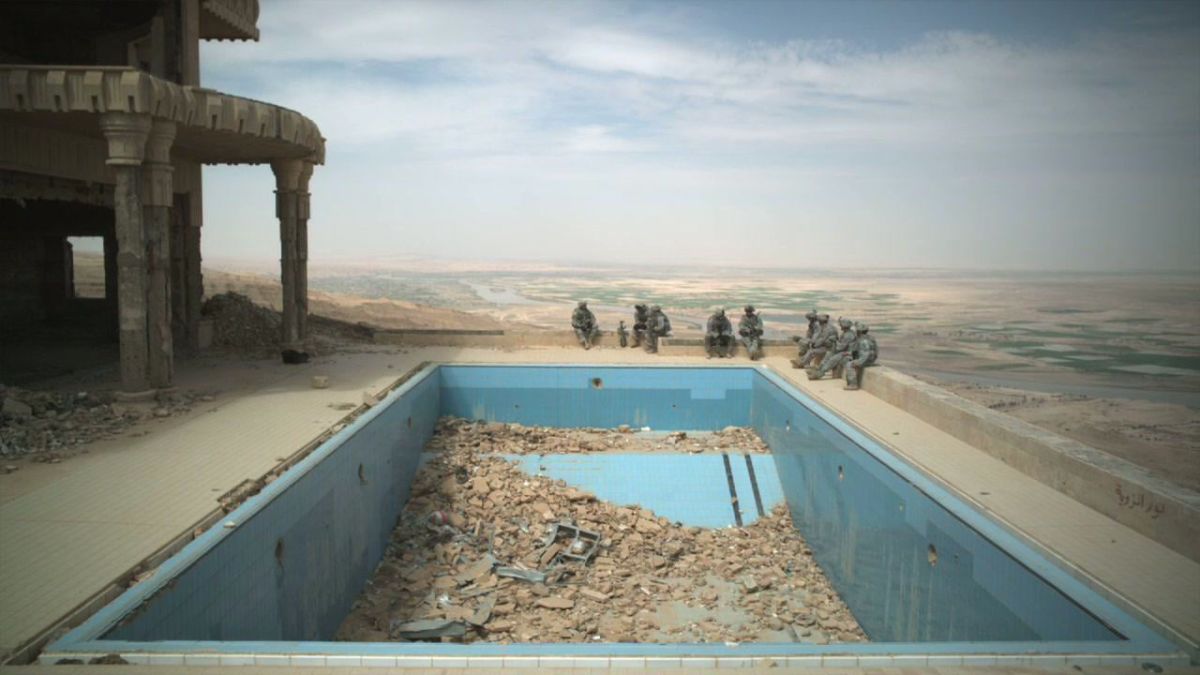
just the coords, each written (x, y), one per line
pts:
(492, 96)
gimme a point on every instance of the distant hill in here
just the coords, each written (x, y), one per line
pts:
(263, 290)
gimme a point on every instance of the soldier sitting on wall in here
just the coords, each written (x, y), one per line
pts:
(804, 342)
(584, 323)
(657, 326)
(864, 355)
(823, 340)
(641, 318)
(750, 328)
(718, 339)
(840, 354)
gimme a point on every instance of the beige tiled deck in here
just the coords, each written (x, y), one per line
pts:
(68, 530)
(1150, 575)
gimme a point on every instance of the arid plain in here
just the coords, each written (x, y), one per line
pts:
(1111, 360)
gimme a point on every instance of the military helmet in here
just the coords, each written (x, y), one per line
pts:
(845, 323)
(655, 308)
(639, 306)
(721, 311)
(823, 318)
(812, 314)
(862, 327)
(749, 309)
(583, 304)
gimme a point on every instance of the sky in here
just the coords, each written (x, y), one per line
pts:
(986, 135)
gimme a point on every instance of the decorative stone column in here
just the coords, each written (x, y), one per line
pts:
(110, 283)
(158, 197)
(287, 209)
(302, 212)
(126, 135)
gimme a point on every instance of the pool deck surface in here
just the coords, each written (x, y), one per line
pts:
(68, 530)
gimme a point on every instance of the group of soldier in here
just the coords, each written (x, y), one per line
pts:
(649, 324)
(823, 349)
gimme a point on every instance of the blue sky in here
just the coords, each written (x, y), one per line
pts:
(1043, 135)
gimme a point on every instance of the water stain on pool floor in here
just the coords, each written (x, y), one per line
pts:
(473, 558)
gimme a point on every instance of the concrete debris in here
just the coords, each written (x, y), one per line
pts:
(555, 603)
(529, 576)
(16, 409)
(53, 424)
(240, 325)
(517, 439)
(493, 573)
(428, 629)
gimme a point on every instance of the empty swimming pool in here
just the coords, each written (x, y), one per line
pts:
(930, 580)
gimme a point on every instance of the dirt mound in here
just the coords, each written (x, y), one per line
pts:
(242, 326)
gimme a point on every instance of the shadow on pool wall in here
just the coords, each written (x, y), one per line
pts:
(299, 552)
(293, 569)
(908, 569)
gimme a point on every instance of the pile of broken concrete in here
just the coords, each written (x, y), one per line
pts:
(516, 439)
(48, 425)
(487, 553)
(241, 326)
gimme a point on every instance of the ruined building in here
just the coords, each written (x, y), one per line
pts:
(104, 130)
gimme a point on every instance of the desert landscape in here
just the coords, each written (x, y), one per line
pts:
(1111, 360)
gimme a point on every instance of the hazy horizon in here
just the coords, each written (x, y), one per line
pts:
(906, 135)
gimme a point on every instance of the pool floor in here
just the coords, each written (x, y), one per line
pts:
(691, 548)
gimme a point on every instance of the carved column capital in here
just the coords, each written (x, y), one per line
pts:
(287, 174)
(126, 135)
(159, 140)
(158, 183)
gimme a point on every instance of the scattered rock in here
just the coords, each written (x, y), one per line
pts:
(41, 422)
(650, 580)
(16, 409)
(555, 603)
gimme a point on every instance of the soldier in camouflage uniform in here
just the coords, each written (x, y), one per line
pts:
(584, 323)
(864, 334)
(824, 340)
(641, 317)
(866, 352)
(840, 353)
(657, 326)
(623, 334)
(804, 342)
(718, 338)
(750, 328)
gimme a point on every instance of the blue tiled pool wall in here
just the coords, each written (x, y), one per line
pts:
(871, 530)
(334, 526)
(331, 527)
(665, 399)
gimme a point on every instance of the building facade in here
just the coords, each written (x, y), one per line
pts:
(104, 130)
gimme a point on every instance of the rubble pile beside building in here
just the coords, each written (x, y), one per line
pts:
(487, 553)
(50, 424)
(242, 326)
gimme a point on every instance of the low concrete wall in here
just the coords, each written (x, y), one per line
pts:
(1119, 489)
(486, 338)
(499, 339)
